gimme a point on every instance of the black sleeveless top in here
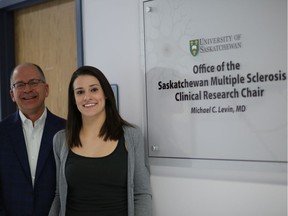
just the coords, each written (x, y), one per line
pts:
(97, 186)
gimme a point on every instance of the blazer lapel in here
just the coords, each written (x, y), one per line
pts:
(19, 145)
(44, 151)
(46, 145)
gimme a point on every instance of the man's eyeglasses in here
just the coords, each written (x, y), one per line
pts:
(31, 83)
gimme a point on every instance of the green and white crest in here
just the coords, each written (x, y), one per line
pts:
(194, 46)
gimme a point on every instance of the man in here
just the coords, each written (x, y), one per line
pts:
(27, 166)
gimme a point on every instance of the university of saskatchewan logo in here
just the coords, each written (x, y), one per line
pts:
(194, 46)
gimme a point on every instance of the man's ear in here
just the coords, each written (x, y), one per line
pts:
(47, 89)
(12, 95)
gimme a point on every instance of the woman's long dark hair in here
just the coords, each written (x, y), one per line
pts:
(112, 128)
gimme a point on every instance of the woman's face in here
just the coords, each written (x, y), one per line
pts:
(89, 96)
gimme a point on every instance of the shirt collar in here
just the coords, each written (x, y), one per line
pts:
(41, 120)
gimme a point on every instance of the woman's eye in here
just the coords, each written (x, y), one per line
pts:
(94, 89)
(79, 92)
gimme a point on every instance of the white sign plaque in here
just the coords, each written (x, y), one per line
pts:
(216, 79)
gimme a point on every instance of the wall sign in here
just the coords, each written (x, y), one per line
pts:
(216, 79)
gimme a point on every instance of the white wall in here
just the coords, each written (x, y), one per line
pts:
(112, 42)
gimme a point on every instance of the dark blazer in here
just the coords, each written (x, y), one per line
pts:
(17, 196)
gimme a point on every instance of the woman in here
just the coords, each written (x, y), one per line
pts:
(100, 159)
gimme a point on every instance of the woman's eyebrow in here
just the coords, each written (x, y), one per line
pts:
(78, 88)
(96, 84)
(92, 85)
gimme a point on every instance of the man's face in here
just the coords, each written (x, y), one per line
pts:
(30, 99)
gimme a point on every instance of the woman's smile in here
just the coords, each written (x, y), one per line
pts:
(89, 105)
